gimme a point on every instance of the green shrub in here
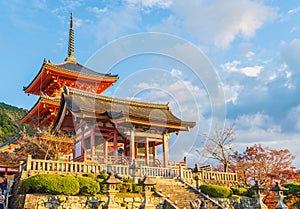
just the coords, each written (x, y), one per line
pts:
(51, 184)
(90, 175)
(250, 192)
(103, 176)
(239, 191)
(102, 186)
(87, 185)
(293, 187)
(216, 191)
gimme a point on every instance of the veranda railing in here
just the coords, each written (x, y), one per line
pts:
(50, 166)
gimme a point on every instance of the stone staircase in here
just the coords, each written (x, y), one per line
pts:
(180, 194)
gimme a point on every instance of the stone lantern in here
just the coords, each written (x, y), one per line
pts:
(257, 189)
(134, 170)
(147, 184)
(278, 189)
(197, 178)
(111, 184)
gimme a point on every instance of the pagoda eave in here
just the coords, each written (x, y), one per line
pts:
(50, 75)
(42, 113)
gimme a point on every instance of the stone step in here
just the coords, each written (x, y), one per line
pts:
(181, 193)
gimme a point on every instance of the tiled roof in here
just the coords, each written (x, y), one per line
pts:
(78, 68)
(91, 105)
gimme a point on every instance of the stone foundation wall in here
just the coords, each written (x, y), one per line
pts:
(35, 201)
(237, 203)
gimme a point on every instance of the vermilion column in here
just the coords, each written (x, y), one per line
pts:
(165, 150)
(147, 151)
(105, 151)
(115, 144)
(132, 145)
(93, 143)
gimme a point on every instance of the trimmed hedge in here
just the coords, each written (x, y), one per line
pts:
(294, 187)
(216, 191)
(240, 191)
(51, 184)
(87, 185)
(103, 176)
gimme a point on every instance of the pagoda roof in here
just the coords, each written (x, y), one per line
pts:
(67, 70)
(43, 112)
(83, 104)
(78, 68)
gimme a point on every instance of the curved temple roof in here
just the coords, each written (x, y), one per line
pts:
(88, 105)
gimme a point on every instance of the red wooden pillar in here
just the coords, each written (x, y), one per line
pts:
(115, 144)
(93, 143)
(105, 151)
(146, 151)
(165, 150)
(132, 145)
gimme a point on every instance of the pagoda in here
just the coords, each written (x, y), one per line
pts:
(49, 82)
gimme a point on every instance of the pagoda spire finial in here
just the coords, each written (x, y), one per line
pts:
(71, 57)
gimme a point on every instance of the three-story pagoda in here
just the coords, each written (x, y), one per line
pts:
(50, 80)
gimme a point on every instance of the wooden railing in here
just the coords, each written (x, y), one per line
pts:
(158, 172)
(50, 166)
(216, 176)
(60, 166)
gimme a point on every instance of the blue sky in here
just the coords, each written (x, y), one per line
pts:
(253, 47)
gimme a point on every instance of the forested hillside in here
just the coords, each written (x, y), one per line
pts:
(10, 117)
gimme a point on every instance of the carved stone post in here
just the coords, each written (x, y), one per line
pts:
(257, 189)
(278, 189)
(134, 172)
(111, 183)
(21, 166)
(195, 172)
(28, 164)
(147, 186)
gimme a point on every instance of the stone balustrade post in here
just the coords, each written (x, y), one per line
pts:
(28, 164)
(181, 174)
(21, 166)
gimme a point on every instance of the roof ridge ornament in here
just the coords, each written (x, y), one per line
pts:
(71, 57)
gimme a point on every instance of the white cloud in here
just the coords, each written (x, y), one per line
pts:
(78, 22)
(151, 3)
(227, 19)
(249, 54)
(116, 23)
(40, 4)
(293, 117)
(256, 121)
(293, 11)
(232, 93)
(97, 10)
(252, 71)
(289, 53)
(175, 72)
